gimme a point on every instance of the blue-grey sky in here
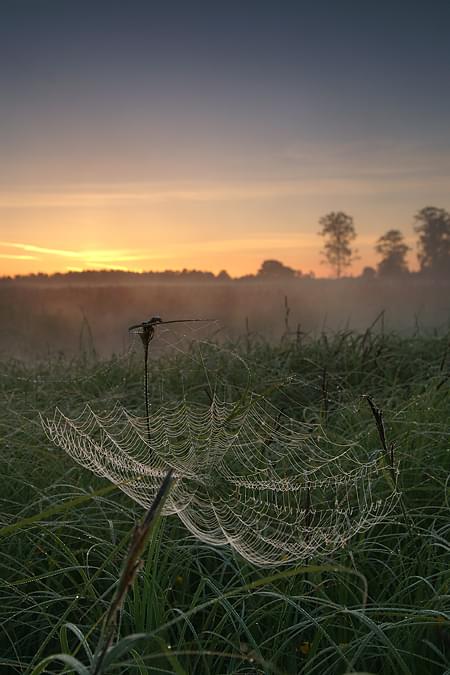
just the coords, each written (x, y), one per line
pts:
(150, 135)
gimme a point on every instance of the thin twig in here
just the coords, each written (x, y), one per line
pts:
(130, 569)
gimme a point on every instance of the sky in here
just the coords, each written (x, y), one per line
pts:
(162, 135)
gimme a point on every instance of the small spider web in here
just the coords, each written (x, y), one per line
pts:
(177, 336)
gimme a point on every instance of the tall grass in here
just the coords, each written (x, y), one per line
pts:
(379, 605)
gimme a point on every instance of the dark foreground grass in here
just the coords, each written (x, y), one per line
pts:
(379, 605)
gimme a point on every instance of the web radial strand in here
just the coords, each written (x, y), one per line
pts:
(247, 475)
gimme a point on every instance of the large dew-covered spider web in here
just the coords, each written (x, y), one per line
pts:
(247, 475)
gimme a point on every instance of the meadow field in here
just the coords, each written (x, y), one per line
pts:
(379, 604)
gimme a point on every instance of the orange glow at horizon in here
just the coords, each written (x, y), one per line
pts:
(238, 257)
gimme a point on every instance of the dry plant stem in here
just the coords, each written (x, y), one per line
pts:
(287, 311)
(146, 337)
(147, 404)
(325, 394)
(389, 453)
(130, 569)
(308, 513)
(146, 330)
(378, 416)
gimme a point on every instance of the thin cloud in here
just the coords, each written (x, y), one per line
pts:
(12, 256)
(39, 249)
(93, 256)
(362, 179)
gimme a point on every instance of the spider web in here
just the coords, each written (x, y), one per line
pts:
(247, 474)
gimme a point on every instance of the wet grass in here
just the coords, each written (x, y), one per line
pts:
(379, 605)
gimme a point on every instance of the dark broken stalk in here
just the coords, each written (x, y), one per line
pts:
(287, 311)
(388, 449)
(130, 569)
(379, 422)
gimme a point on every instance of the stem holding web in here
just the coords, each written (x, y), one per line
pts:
(146, 337)
(146, 331)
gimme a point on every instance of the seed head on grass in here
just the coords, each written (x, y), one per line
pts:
(146, 331)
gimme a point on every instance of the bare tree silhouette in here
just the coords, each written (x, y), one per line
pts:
(339, 231)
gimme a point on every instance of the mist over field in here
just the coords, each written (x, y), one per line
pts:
(38, 321)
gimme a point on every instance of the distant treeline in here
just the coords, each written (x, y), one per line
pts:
(270, 270)
(115, 276)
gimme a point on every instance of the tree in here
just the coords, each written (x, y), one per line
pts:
(274, 269)
(339, 231)
(433, 228)
(368, 273)
(223, 276)
(392, 249)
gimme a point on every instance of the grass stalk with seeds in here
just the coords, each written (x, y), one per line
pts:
(146, 331)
